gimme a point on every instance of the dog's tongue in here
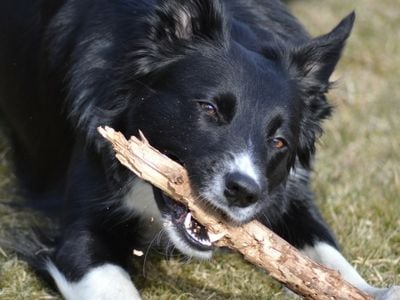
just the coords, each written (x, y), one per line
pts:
(180, 212)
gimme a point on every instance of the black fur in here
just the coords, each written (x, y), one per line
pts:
(201, 78)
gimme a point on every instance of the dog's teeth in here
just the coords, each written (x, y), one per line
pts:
(205, 242)
(215, 237)
(188, 220)
(194, 230)
(193, 235)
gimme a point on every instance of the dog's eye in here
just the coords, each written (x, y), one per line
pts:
(278, 143)
(209, 109)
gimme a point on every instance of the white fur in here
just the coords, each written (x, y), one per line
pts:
(106, 282)
(181, 245)
(299, 173)
(214, 191)
(184, 30)
(243, 163)
(244, 214)
(140, 201)
(330, 257)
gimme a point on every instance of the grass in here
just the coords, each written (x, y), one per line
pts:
(357, 174)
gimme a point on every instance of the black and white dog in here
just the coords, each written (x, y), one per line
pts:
(234, 90)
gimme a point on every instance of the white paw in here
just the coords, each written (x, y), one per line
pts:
(392, 293)
(106, 282)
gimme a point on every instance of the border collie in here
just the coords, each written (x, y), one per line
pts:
(234, 90)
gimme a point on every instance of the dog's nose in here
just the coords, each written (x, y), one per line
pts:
(241, 190)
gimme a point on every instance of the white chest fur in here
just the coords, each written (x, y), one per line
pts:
(139, 201)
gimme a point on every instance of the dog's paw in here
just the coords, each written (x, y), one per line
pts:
(392, 293)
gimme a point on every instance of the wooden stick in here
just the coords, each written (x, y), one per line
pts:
(257, 243)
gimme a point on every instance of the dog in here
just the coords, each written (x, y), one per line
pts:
(233, 90)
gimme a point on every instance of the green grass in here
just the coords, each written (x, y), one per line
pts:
(357, 174)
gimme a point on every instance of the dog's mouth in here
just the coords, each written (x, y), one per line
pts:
(186, 232)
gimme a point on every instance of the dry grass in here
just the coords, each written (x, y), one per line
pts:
(357, 176)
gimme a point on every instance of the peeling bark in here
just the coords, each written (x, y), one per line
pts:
(254, 241)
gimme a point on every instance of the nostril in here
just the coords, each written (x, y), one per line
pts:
(232, 186)
(241, 190)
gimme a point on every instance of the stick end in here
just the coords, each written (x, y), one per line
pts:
(143, 138)
(105, 131)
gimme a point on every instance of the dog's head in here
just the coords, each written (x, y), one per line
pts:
(236, 118)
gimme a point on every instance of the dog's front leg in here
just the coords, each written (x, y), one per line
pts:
(329, 256)
(104, 282)
(89, 264)
(90, 257)
(302, 226)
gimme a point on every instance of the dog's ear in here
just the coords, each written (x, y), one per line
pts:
(314, 62)
(176, 27)
(311, 64)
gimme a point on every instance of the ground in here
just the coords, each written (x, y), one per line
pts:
(357, 174)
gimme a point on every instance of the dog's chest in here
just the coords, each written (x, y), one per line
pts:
(140, 202)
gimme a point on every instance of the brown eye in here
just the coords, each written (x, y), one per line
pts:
(278, 143)
(208, 108)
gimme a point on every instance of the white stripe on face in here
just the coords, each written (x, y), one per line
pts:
(243, 163)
